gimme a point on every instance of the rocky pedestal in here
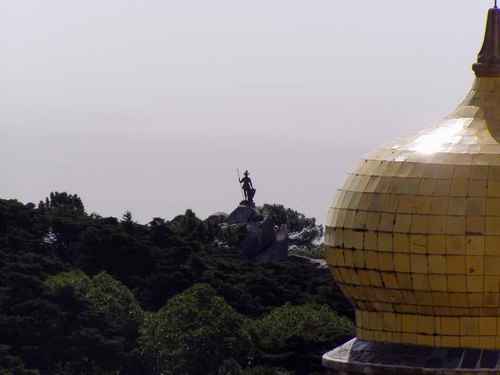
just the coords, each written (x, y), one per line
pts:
(264, 242)
(358, 357)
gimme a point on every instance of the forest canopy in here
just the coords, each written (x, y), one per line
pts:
(85, 294)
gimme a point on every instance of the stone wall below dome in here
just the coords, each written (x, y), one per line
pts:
(358, 357)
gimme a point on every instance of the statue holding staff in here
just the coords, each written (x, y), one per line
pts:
(247, 187)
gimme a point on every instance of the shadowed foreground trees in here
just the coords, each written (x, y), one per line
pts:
(194, 333)
(84, 294)
(296, 336)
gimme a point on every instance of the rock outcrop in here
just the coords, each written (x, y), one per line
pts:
(264, 241)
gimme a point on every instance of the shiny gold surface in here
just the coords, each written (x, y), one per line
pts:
(413, 236)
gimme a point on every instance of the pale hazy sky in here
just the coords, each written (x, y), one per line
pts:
(151, 105)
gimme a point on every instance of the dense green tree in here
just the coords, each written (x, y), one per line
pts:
(194, 333)
(106, 295)
(295, 220)
(299, 335)
(115, 300)
(119, 315)
(63, 202)
(12, 365)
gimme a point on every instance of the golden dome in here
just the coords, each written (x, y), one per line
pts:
(413, 236)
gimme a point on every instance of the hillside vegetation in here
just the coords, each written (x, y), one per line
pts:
(85, 294)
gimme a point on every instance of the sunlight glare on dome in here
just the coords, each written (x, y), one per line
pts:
(438, 139)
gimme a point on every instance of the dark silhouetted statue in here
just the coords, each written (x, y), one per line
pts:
(248, 189)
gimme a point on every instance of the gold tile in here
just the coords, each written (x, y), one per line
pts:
(493, 225)
(475, 264)
(478, 188)
(364, 277)
(455, 225)
(439, 205)
(475, 245)
(469, 326)
(457, 283)
(475, 284)
(389, 202)
(426, 325)
(436, 224)
(491, 284)
(371, 240)
(491, 299)
(372, 260)
(476, 206)
(425, 340)
(450, 326)
(487, 343)
(385, 242)
(360, 220)
(386, 262)
(493, 207)
(389, 322)
(475, 225)
(407, 204)
(401, 242)
(459, 187)
(455, 264)
(403, 223)
(409, 338)
(375, 279)
(475, 301)
(423, 298)
(427, 186)
(437, 264)
(419, 224)
(493, 188)
(372, 220)
(492, 265)
(358, 259)
(357, 240)
(402, 262)
(386, 222)
(421, 282)
(423, 205)
(439, 298)
(418, 244)
(438, 283)
(404, 281)
(461, 171)
(442, 188)
(419, 263)
(349, 219)
(479, 172)
(450, 341)
(498, 327)
(437, 244)
(488, 326)
(459, 301)
(389, 279)
(457, 206)
(348, 258)
(492, 245)
(409, 323)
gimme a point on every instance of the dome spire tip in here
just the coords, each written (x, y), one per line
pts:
(488, 61)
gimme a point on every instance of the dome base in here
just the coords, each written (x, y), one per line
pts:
(358, 357)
